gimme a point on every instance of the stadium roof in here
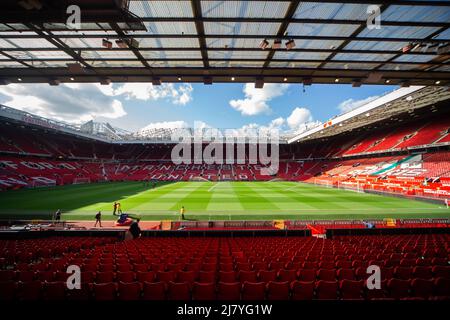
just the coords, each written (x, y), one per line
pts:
(219, 41)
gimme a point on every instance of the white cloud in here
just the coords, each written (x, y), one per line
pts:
(256, 100)
(181, 94)
(165, 125)
(299, 117)
(350, 104)
(75, 103)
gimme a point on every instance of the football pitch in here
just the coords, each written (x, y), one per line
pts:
(211, 201)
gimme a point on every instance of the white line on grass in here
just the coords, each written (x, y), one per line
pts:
(211, 189)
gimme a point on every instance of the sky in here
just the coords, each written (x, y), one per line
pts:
(136, 106)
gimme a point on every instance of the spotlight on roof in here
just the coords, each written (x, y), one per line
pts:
(438, 82)
(105, 81)
(233, 78)
(443, 49)
(156, 81)
(259, 83)
(387, 81)
(54, 82)
(407, 48)
(207, 81)
(106, 43)
(264, 44)
(336, 80)
(290, 44)
(285, 79)
(307, 81)
(30, 4)
(276, 44)
(356, 83)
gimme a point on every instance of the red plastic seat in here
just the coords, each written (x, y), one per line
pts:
(228, 291)
(403, 273)
(124, 268)
(278, 290)
(104, 277)
(106, 267)
(422, 272)
(165, 276)
(25, 276)
(260, 265)
(186, 276)
(442, 287)
(8, 290)
(104, 291)
(227, 276)
(345, 274)
(203, 291)
(422, 288)
(45, 276)
(31, 290)
(267, 275)
(326, 274)
(147, 276)
(398, 288)
(326, 290)
(226, 267)
(129, 290)
(441, 272)
(307, 275)
(154, 291)
(249, 276)
(55, 290)
(302, 290)
(351, 289)
(179, 291)
(141, 267)
(326, 264)
(253, 290)
(207, 276)
(287, 275)
(7, 275)
(128, 276)
(209, 267)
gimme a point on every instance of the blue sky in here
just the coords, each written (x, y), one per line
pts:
(134, 106)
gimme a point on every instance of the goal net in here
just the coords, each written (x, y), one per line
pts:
(198, 179)
(324, 183)
(81, 180)
(39, 183)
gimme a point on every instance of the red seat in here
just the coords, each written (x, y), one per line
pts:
(227, 276)
(154, 291)
(403, 273)
(278, 290)
(104, 291)
(398, 288)
(260, 265)
(422, 288)
(326, 274)
(179, 291)
(60, 276)
(302, 290)
(253, 290)
(124, 268)
(243, 266)
(141, 267)
(203, 291)
(422, 272)
(25, 276)
(55, 290)
(326, 290)
(127, 276)
(287, 275)
(249, 276)
(441, 272)
(186, 276)
(87, 277)
(106, 267)
(147, 276)
(307, 275)
(442, 287)
(8, 290)
(7, 275)
(165, 276)
(226, 267)
(351, 289)
(267, 275)
(326, 264)
(209, 267)
(228, 291)
(207, 276)
(105, 277)
(129, 290)
(345, 274)
(344, 264)
(31, 290)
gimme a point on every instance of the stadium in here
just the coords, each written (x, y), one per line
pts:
(365, 189)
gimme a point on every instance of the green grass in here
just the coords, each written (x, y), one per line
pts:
(211, 200)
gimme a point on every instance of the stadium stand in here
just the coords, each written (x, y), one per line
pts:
(259, 268)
